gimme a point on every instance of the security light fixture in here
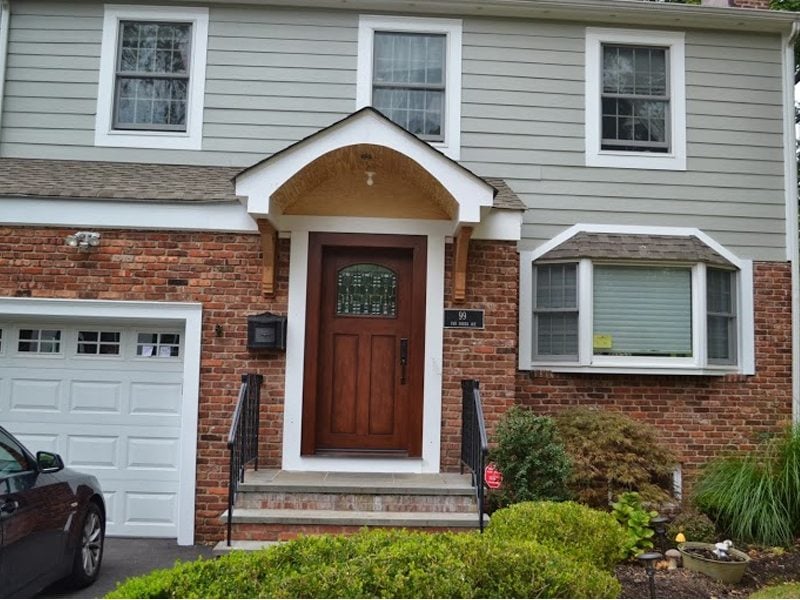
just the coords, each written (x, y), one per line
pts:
(83, 240)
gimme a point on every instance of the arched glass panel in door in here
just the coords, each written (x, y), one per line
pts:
(366, 290)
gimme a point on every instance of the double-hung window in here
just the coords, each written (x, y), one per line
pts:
(635, 99)
(409, 69)
(590, 306)
(152, 77)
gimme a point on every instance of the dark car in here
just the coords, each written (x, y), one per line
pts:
(52, 521)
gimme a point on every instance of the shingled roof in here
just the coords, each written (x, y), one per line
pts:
(636, 247)
(143, 182)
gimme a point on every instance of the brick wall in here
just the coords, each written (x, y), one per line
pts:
(763, 4)
(489, 355)
(698, 417)
(222, 271)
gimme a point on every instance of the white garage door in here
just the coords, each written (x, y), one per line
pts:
(107, 397)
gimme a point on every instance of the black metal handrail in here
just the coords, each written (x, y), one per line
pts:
(474, 443)
(243, 437)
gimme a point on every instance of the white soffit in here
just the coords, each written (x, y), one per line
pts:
(366, 126)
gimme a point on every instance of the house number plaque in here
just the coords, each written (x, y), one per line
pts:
(463, 319)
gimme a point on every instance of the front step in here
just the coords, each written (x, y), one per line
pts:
(279, 505)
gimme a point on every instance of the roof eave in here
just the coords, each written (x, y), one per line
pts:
(627, 12)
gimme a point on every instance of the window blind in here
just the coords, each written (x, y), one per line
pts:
(642, 311)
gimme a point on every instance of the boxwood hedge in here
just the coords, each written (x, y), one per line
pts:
(383, 564)
(581, 532)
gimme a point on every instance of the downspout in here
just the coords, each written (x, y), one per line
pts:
(5, 17)
(790, 173)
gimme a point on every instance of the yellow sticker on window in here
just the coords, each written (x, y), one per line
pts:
(603, 341)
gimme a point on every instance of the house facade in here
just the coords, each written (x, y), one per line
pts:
(577, 203)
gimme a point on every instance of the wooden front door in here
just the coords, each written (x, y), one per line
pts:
(365, 329)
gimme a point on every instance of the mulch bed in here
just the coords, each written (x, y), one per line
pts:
(767, 567)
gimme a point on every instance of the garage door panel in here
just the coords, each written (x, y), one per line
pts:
(95, 396)
(93, 452)
(153, 453)
(155, 399)
(117, 418)
(35, 395)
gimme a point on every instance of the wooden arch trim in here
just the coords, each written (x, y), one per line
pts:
(461, 252)
(269, 257)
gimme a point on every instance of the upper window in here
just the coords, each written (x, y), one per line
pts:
(635, 99)
(158, 345)
(39, 341)
(152, 77)
(410, 70)
(106, 343)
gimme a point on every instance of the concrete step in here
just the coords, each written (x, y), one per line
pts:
(222, 547)
(349, 501)
(407, 484)
(351, 518)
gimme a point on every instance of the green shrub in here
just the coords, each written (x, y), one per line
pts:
(612, 454)
(382, 564)
(695, 526)
(781, 590)
(585, 534)
(755, 497)
(531, 458)
(635, 519)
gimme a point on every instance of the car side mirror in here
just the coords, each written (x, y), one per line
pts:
(49, 462)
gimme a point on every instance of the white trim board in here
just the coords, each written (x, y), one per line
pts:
(192, 138)
(190, 315)
(675, 159)
(295, 347)
(452, 30)
(186, 216)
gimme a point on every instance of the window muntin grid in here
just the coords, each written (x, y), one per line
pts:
(99, 343)
(152, 75)
(555, 311)
(39, 341)
(635, 98)
(721, 316)
(158, 345)
(408, 81)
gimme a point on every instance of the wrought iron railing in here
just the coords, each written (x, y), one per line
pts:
(243, 437)
(474, 443)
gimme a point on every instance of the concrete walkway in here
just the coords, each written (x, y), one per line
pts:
(128, 557)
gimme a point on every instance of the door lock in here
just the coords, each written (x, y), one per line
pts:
(403, 359)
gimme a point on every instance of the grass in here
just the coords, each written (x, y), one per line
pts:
(781, 590)
(756, 497)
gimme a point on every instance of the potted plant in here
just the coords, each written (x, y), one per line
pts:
(720, 561)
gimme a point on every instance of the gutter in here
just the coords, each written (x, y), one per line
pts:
(613, 12)
(790, 180)
(5, 17)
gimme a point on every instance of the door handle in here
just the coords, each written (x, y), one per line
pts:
(8, 507)
(403, 359)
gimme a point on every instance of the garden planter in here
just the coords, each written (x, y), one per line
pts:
(724, 571)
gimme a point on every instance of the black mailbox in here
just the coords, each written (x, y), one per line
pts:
(266, 332)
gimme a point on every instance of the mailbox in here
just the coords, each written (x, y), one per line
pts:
(266, 332)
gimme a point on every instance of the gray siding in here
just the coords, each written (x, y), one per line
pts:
(276, 75)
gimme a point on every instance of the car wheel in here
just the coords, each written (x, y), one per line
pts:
(89, 553)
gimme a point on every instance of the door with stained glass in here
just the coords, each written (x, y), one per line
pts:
(364, 345)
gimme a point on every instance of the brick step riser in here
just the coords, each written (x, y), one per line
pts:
(283, 532)
(357, 502)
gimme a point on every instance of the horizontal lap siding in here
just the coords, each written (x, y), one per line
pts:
(277, 75)
(523, 120)
(274, 76)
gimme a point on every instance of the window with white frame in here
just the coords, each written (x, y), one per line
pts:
(635, 99)
(152, 77)
(410, 70)
(588, 304)
(39, 341)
